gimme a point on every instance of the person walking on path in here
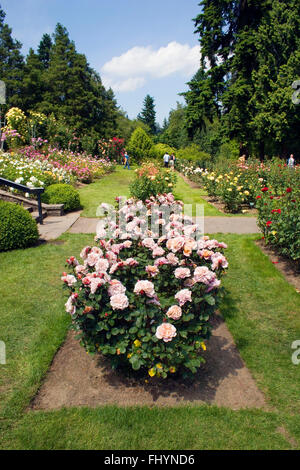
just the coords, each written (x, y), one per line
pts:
(172, 161)
(126, 160)
(291, 161)
(166, 159)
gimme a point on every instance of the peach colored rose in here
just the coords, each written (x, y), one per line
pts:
(144, 287)
(116, 287)
(152, 270)
(166, 332)
(174, 312)
(119, 302)
(182, 273)
(175, 244)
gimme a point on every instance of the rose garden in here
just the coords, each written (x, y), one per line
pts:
(155, 307)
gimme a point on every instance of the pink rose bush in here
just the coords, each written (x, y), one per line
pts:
(144, 294)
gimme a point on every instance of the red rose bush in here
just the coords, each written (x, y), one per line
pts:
(144, 295)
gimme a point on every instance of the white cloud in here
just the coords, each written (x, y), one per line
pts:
(130, 84)
(130, 70)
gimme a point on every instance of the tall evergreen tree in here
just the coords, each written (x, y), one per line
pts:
(32, 87)
(44, 50)
(11, 62)
(148, 114)
(74, 91)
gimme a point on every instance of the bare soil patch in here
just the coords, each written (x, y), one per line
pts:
(77, 379)
(286, 266)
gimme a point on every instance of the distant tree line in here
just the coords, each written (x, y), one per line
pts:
(242, 92)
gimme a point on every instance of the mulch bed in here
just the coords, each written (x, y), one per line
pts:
(78, 379)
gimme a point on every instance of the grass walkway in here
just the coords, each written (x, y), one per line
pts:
(260, 308)
(116, 184)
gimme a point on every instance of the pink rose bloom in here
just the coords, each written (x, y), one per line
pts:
(173, 260)
(119, 302)
(95, 283)
(182, 273)
(115, 267)
(85, 252)
(213, 285)
(218, 260)
(116, 287)
(183, 296)
(174, 312)
(70, 307)
(92, 259)
(111, 257)
(127, 244)
(166, 331)
(161, 261)
(69, 279)
(144, 287)
(158, 251)
(204, 275)
(131, 262)
(102, 265)
(175, 244)
(80, 269)
(116, 248)
(97, 250)
(152, 270)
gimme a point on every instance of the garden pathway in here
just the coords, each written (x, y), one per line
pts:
(53, 227)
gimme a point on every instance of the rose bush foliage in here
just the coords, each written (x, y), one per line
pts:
(146, 302)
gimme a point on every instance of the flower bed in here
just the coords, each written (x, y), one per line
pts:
(144, 297)
(279, 220)
(34, 167)
(34, 174)
(150, 180)
(241, 182)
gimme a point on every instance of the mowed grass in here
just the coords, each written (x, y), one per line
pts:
(105, 190)
(260, 308)
(117, 184)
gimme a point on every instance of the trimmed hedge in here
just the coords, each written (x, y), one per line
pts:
(17, 227)
(62, 194)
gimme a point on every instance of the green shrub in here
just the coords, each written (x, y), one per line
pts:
(140, 145)
(158, 150)
(17, 227)
(229, 151)
(62, 194)
(194, 154)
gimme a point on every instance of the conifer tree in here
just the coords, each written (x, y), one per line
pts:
(11, 63)
(148, 114)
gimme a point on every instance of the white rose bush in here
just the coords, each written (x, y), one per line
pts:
(144, 295)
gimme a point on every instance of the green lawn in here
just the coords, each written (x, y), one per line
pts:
(260, 308)
(105, 190)
(116, 184)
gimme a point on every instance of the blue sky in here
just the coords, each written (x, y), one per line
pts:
(138, 47)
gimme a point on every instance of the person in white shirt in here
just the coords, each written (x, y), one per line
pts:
(166, 159)
(291, 161)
